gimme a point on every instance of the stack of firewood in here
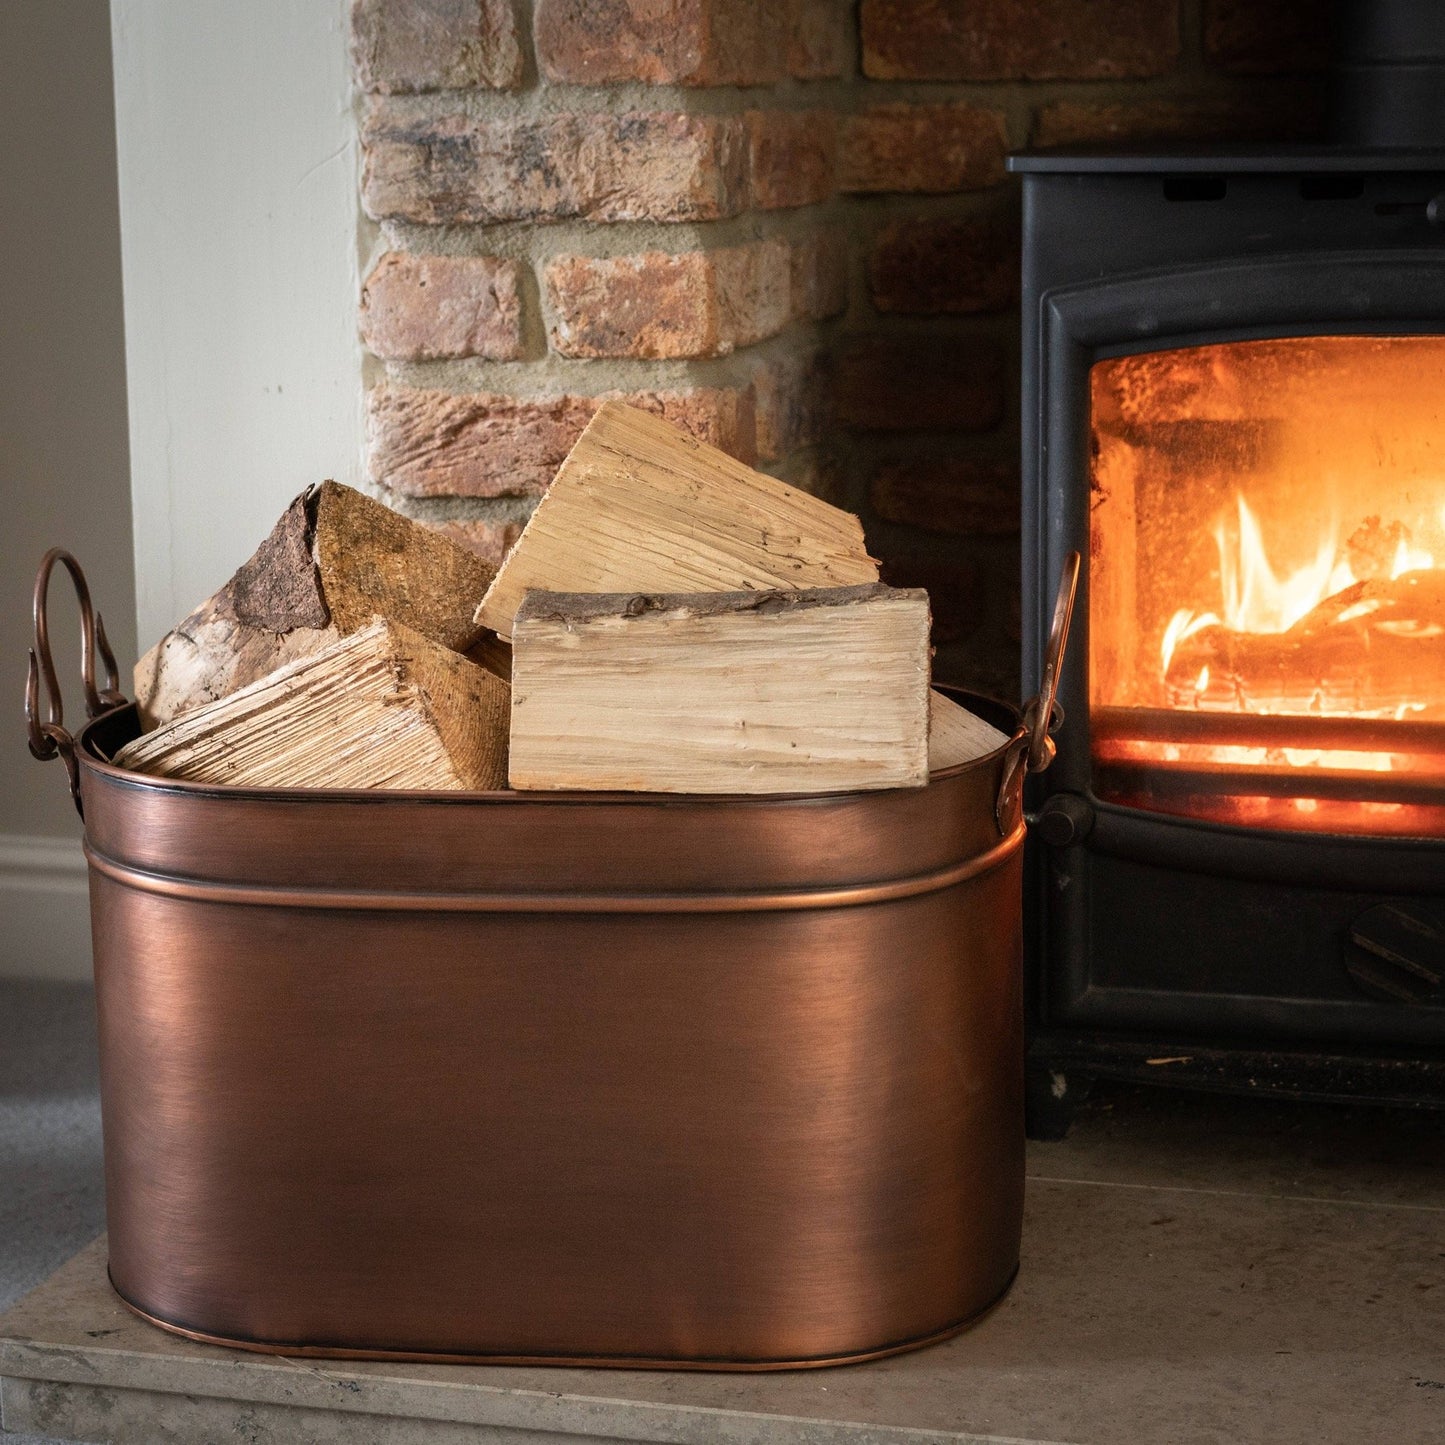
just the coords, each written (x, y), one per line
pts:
(669, 621)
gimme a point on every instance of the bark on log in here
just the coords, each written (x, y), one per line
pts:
(334, 560)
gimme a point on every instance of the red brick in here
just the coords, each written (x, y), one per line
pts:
(1267, 37)
(754, 291)
(696, 303)
(641, 166)
(426, 443)
(924, 267)
(922, 148)
(1289, 114)
(723, 416)
(818, 41)
(949, 494)
(820, 275)
(899, 384)
(653, 305)
(954, 584)
(490, 540)
(420, 308)
(412, 45)
(660, 42)
(793, 401)
(1007, 40)
(791, 157)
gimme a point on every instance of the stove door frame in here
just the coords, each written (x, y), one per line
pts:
(1095, 845)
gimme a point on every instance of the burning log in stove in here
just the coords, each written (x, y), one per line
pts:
(1376, 647)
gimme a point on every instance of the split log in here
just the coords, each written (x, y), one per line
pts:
(956, 735)
(810, 691)
(640, 506)
(491, 652)
(1367, 649)
(382, 708)
(334, 560)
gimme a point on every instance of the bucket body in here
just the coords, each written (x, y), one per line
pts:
(582, 1078)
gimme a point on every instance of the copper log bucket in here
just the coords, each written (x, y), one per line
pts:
(724, 1083)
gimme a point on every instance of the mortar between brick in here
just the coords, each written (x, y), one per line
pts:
(558, 375)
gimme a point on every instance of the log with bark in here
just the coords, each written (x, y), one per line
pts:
(383, 707)
(1367, 649)
(640, 506)
(333, 561)
(814, 690)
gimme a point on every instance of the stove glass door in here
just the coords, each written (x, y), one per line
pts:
(1267, 583)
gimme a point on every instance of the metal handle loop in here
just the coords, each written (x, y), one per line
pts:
(48, 736)
(1032, 747)
(1043, 714)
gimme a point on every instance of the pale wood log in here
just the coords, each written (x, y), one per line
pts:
(640, 506)
(334, 560)
(382, 708)
(956, 735)
(810, 691)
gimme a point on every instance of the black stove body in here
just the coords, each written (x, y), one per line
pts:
(1207, 950)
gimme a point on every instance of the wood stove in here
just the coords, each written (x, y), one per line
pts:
(1234, 407)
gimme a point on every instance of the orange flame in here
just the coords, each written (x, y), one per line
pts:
(1257, 598)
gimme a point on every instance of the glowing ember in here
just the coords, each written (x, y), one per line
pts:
(1257, 599)
(1330, 623)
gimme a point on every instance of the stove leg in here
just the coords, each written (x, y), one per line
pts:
(1051, 1098)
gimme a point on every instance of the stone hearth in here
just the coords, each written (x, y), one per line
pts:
(1195, 1271)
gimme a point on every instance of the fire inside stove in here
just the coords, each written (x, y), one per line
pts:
(1267, 583)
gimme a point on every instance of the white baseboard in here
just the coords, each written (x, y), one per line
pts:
(44, 908)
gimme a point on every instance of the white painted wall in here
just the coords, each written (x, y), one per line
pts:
(239, 225)
(239, 247)
(63, 474)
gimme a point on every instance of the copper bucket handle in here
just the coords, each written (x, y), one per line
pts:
(1032, 747)
(49, 737)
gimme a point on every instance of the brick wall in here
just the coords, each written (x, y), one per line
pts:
(784, 224)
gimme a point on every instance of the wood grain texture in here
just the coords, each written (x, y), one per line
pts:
(956, 736)
(640, 506)
(491, 652)
(334, 560)
(815, 690)
(382, 708)
(372, 561)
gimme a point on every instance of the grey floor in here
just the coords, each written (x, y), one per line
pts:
(1259, 1224)
(51, 1194)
